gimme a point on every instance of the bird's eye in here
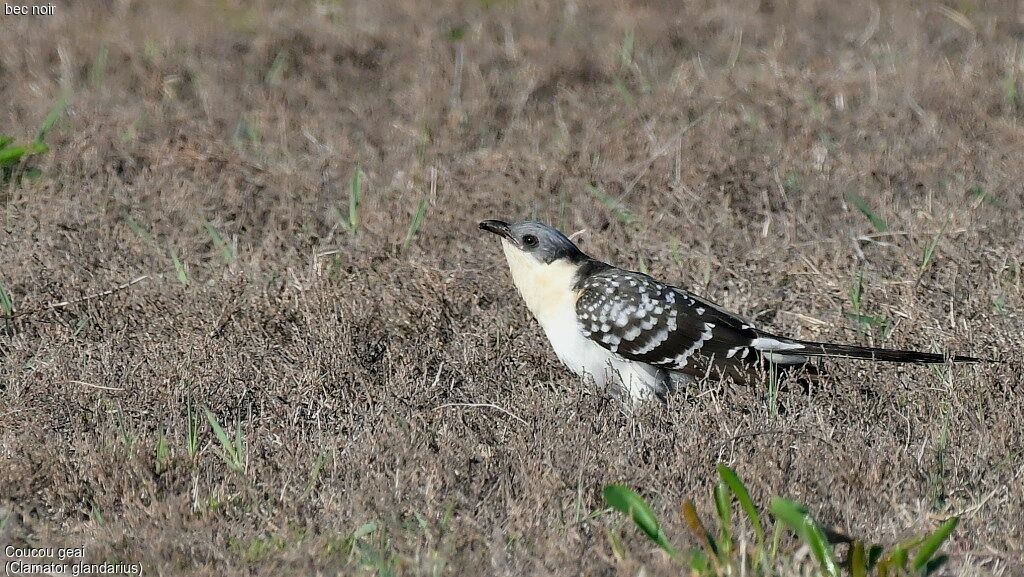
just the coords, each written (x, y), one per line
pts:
(529, 240)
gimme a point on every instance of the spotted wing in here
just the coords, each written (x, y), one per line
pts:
(641, 319)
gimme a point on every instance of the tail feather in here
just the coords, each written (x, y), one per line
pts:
(816, 349)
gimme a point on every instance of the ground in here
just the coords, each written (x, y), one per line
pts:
(833, 170)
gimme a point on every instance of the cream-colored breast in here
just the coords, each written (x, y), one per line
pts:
(547, 289)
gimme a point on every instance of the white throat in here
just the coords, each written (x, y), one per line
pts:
(547, 289)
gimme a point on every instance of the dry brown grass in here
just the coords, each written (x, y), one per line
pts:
(730, 132)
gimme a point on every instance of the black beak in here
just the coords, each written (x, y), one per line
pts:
(497, 227)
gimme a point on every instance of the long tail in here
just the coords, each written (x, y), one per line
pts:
(815, 349)
(792, 351)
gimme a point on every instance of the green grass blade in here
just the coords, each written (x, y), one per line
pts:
(627, 502)
(895, 562)
(615, 541)
(738, 489)
(277, 67)
(417, 220)
(222, 435)
(723, 508)
(5, 140)
(867, 319)
(796, 517)
(932, 543)
(929, 251)
(218, 240)
(163, 456)
(51, 118)
(979, 193)
(179, 267)
(12, 155)
(6, 304)
(364, 530)
(99, 66)
(231, 451)
(140, 231)
(857, 564)
(822, 549)
(699, 563)
(856, 291)
(773, 551)
(314, 475)
(862, 205)
(626, 52)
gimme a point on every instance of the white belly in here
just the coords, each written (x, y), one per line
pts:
(607, 370)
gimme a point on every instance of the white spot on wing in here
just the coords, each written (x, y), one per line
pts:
(782, 359)
(652, 343)
(770, 344)
(681, 358)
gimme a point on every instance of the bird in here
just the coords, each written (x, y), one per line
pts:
(638, 337)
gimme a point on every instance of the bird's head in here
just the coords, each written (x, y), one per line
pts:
(534, 240)
(544, 265)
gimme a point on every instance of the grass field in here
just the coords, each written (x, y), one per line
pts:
(250, 327)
